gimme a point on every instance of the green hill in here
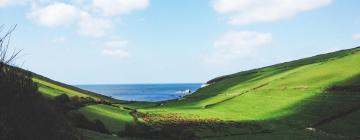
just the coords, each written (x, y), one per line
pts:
(311, 98)
(316, 97)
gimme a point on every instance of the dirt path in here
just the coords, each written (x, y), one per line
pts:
(134, 116)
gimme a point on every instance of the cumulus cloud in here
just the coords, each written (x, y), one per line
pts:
(242, 12)
(116, 49)
(56, 14)
(357, 36)
(119, 7)
(93, 19)
(234, 45)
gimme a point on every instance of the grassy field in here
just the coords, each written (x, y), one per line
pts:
(114, 118)
(283, 97)
(312, 98)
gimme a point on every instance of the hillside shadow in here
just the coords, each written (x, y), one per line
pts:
(332, 105)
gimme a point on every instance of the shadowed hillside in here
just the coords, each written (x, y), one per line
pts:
(24, 113)
(27, 114)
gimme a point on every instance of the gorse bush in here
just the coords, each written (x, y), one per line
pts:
(24, 113)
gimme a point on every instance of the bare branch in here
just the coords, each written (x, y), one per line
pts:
(4, 47)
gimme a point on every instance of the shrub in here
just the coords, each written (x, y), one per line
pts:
(100, 127)
(62, 99)
(80, 121)
(137, 130)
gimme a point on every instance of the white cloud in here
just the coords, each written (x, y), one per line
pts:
(87, 20)
(234, 45)
(53, 15)
(61, 14)
(244, 12)
(4, 3)
(356, 36)
(116, 48)
(93, 27)
(119, 7)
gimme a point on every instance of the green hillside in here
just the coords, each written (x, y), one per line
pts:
(321, 92)
(312, 98)
(53, 88)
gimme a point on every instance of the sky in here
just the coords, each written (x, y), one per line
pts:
(172, 41)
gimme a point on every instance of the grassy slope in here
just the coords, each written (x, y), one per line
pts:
(286, 98)
(283, 97)
(114, 118)
(53, 88)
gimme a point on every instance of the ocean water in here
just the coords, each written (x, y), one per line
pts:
(142, 92)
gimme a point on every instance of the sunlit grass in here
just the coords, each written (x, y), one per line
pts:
(69, 92)
(114, 118)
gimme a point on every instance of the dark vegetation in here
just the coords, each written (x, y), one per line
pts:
(64, 103)
(25, 114)
(145, 131)
(80, 121)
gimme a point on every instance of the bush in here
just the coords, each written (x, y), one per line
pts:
(62, 99)
(100, 127)
(80, 121)
(139, 130)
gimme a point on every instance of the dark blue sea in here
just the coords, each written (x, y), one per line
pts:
(142, 92)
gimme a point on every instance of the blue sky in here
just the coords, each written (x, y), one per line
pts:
(177, 41)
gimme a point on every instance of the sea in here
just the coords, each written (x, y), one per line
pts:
(142, 92)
